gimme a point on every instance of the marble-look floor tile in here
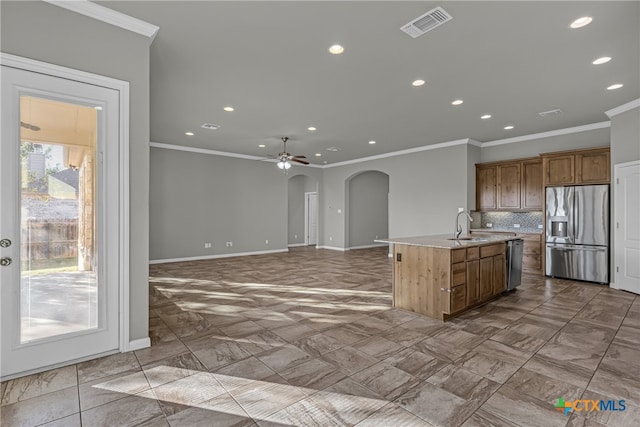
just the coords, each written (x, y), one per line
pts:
(294, 332)
(415, 363)
(282, 358)
(543, 387)
(172, 368)
(566, 372)
(584, 336)
(616, 380)
(403, 336)
(503, 352)
(347, 335)
(347, 409)
(160, 351)
(627, 335)
(130, 411)
(386, 380)
(313, 374)
(606, 417)
(190, 390)
(38, 384)
(215, 353)
(349, 360)
(41, 409)
(351, 388)
(114, 387)
(482, 418)
(68, 421)
(511, 406)
(624, 353)
(242, 329)
(232, 376)
(441, 350)
(106, 366)
(393, 415)
(378, 347)
(318, 344)
(303, 413)
(489, 367)
(394, 316)
(424, 325)
(463, 383)
(260, 399)
(221, 411)
(261, 342)
(567, 354)
(518, 340)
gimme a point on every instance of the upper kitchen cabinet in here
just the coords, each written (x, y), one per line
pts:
(514, 185)
(590, 166)
(486, 187)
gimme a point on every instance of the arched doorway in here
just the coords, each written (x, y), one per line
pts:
(367, 201)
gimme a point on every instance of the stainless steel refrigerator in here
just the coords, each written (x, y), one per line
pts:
(577, 232)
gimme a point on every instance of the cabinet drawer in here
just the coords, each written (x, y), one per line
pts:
(491, 250)
(458, 298)
(473, 253)
(458, 273)
(458, 255)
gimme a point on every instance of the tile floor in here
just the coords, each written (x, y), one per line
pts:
(308, 338)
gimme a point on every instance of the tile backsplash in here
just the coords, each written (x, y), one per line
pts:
(529, 221)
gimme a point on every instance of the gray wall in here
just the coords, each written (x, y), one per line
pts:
(297, 187)
(425, 190)
(367, 208)
(625, 147)
(197, 199)
(533, 147)
(47, 33)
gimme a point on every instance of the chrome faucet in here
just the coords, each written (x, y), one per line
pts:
(458, 229)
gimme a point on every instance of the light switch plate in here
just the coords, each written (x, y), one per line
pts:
(516, 225)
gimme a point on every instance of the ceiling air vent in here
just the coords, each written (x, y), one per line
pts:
(210, 126)
(550, 112)
(427, 22)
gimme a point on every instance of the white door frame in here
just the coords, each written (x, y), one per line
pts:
(306, 217)
(123, 216)
(619, 259)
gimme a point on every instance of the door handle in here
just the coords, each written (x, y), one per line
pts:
(5, 243)
(5, 261)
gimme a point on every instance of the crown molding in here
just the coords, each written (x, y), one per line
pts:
(623, 108)
(218, 153)
(109, 16)
(541, 135)
(401, 152)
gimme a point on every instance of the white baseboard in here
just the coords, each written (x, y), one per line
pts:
(295, 245)
(139, 344)
(333, 248)
(376, 245)
(198, 258)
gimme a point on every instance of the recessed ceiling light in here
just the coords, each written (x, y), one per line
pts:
(581, 22)
(508, 127)
(333, 149)
(486, 116)
(602, 60)
(210, 126)
(228, 109)
(457, 102)
(311, 128)
(372, 142)
(189, 133)
(336, 49)
(261, 145)
(418, 82)
(615, 86)
(318, 155)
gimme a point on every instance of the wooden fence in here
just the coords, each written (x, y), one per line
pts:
(49, 240)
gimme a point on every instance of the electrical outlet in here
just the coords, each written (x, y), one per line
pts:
(460, 210)
(376, 236)
(207, 245)
(330, 238)
(229, 244)
(540, 226)
(266, 242)
(489, 225)
(295, 236)
(339, 211)
(516, 225)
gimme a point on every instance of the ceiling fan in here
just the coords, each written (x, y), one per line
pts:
(285, 159)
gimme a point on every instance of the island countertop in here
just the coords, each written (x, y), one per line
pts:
(446, 241)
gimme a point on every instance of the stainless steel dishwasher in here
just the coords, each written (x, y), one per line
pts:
(514, 263)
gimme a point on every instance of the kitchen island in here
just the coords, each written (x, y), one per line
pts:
(441, 277)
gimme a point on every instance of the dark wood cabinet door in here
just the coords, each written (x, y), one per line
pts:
(593, 167)
(473, 282)
(559, 170)
(486, 277)
(509, 186)
(499, 270)
(532, 194)
(486, 187)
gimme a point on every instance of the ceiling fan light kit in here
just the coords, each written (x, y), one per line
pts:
(285, 158)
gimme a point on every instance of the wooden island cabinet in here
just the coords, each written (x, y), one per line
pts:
(438, 277)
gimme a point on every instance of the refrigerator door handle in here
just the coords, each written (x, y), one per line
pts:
(556, 248)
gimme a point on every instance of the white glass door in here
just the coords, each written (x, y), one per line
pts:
(59, 247)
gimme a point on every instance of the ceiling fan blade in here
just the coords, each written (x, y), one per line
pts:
(298, 157)
(304, 162)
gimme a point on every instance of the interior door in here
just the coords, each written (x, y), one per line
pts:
(58, 221)
(627, 226)
(312, 218)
